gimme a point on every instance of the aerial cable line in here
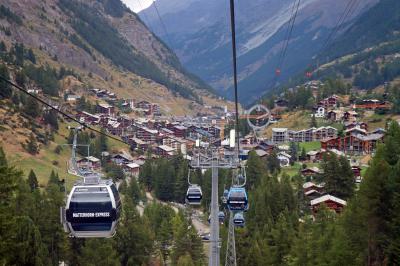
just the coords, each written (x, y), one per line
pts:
(59, 111)
(295, 9)
(145, 15)
(290, 32)
(235, 83)
(288, 35)
(287, 30)
(339, 24)
(162, 24)
(348, 8)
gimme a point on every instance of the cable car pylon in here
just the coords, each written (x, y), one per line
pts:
(230, 259)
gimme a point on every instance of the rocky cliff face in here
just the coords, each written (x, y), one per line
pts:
(261, 27)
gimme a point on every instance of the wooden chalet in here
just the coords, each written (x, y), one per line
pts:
(373, 104)
(105, 108)
(89, 162)
(311, 171)
(132, 169)
(164, 151)
(331, 202)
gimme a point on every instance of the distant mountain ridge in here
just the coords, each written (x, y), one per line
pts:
(261, 27)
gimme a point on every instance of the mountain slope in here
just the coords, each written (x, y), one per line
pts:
(261, 27)
(107, 45)
(367, 53)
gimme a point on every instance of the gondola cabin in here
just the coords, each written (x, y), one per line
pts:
(237, 199)
(225, 196)
(221, 217)
(238, 219)
(194, 195)
(92, 209)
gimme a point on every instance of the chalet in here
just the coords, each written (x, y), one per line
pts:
(174, 142)
(313, 156)
(355, 143)
(372, 104)
(164, 151)
(330, 201)
(356, 171)
(88, 118)
(311, 171)
(72, 97)
(350, 116)
(266, 146)
(122, 158)
(89, 162)
(352, 124)
(334, 115)
(324, 133)
(114, 127)
(131, 169)
(284, 159)
(124, 120)
(356, 130)
(138, 144)
(279, 135)
(166, 131)
(319, 112)
(154, 109)
(312, 190)
(295, 136)
(146, 134)
(331, 101)
(179, 131)
(105, 108)
(35, 91)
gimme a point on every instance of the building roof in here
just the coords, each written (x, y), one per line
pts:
(369, 137)
(279, 130)
(179, 127)
(166, 148)
(313, 169)
(132, 165)
(326, 198)
(260, 152)
(105, 105)
(311, 191)
(312, 184)
(90, 159)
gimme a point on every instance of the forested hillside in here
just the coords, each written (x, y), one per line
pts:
(280, 231)
(104, 43)
(32, 235)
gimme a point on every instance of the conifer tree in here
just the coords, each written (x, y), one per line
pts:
(32, 180)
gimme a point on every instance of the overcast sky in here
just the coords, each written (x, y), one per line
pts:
(137, 5)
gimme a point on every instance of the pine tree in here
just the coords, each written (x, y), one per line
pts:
(313, 122)
(146, 175)
(99, 252)
(31, 145)
(303, 155)
(255, 169)
(32, 108)
(33, 183)
(293, 153)
(5, 89)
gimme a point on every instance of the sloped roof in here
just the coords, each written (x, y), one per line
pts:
(326, 198)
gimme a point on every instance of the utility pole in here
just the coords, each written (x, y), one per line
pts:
(214, 230)
(210, 159)
(231, 247)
